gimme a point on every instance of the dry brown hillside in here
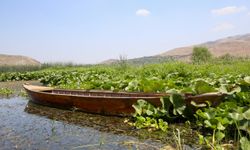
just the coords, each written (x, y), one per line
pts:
(109, 61)
(235, 46)
(15, 60)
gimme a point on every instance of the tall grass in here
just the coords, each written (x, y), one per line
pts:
(21, 68)
(28, 68)
(217, 66)
(61, 64)
(233, 67)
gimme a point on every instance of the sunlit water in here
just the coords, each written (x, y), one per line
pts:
(28, 126)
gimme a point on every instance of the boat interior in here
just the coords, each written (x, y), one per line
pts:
(102, 93)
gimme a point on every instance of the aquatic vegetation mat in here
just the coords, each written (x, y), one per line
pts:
(226, 125)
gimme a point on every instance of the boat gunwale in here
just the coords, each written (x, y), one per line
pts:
(99, 97)
(157, 95)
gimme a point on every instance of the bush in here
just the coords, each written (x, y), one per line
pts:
(201, 55)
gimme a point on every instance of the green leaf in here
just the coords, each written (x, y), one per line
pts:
(225, 121)
(201, 139)
(165, 102)
(236, 89)
(246, 114)
(245, 126)
(178, 103)
(163, 125)
(220, 126)
(223, 88)
(244, 143)
(138, 107)
(247, 79)
(138, 110)
(187, 90)
(209, 124)
(202, 86)
(236, 116)
(206, 115)
(149, 112)
(219, 136)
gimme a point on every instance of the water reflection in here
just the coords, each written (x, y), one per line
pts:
(101, 123)
(25, 125)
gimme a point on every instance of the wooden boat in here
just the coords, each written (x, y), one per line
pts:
(102, 102)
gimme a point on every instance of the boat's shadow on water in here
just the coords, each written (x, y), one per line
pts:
(102, 123)
(110, 124)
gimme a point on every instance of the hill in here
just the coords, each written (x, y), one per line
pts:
(238, 46)
(16, 60)
(141, 60)
(109, 61)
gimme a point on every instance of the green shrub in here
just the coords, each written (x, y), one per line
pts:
(201, 55)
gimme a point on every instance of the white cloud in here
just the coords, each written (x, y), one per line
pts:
(223, 27)
(248, 13)
(228, 10)
(143, 12)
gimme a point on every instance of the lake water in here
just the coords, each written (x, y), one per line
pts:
(24, 125)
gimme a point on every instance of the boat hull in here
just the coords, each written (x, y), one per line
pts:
(118, 106)
(105, 102)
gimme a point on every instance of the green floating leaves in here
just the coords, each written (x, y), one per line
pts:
(143, 107)
(219, 136)
(246, 114)
(149, 122)
(247, 80)
(236, 116)
(179, 104)
(220, 126)
(163, 125)
(201, 87)
(6, 92)
(229, 89)
(147, 115)
(244, 125)
(244, 143)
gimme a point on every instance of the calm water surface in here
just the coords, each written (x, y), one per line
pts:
(24, 125)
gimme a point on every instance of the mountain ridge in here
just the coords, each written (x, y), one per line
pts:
(238, 46)
(17, 60)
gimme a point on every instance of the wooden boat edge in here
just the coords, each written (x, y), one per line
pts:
(43, 89)
(36, 88)
(214, 98)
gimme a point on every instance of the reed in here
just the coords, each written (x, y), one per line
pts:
(19, 68)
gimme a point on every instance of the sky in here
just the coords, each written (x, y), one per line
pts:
(91, 31)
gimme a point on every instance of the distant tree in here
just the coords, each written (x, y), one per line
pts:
(201, 55)
(226, 57)
(123, 62)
